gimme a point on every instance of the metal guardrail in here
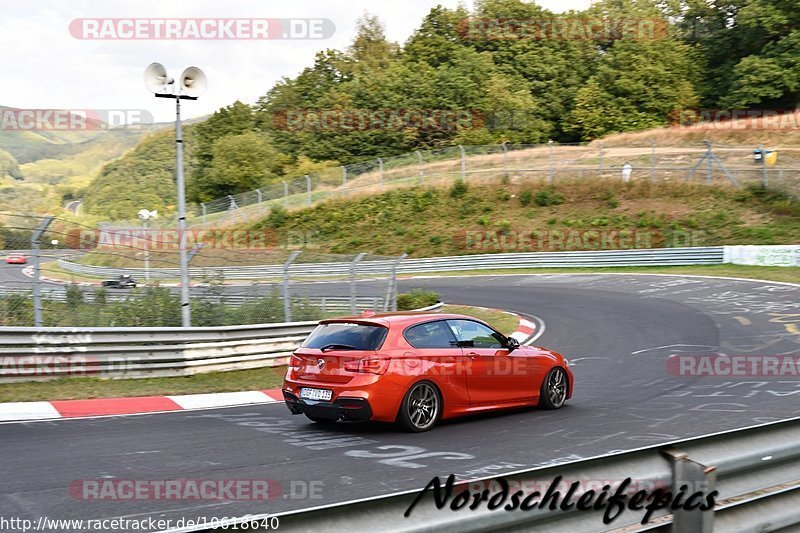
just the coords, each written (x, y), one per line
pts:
(756, 472)
(713, 255)
(40, 353)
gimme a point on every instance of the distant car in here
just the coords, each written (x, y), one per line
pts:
(415, 368)
(125, 281)
(16, 259)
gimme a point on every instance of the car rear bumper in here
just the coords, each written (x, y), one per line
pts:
(340, 409)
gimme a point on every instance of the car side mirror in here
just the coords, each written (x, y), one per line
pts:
(513, 344)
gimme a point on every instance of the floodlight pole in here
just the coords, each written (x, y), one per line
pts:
(186, 312)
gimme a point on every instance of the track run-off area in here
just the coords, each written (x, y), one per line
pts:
(617, 331)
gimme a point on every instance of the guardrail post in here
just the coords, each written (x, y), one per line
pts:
(37, 296)
(353, 266)
(285, 194)
(421, 172)
(463, 163)
(380, 170)
(203, 207)
(505, 161)
(390, 304)
(698, 477)
(653, 162)
(308, 189)
(287, 301)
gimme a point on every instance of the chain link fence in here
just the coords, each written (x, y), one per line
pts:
(144, 290)
(713, 164)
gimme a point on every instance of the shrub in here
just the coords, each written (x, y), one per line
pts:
(525, 198)
(277, 216)
(549, 196)
(416, 299)
(459, 189)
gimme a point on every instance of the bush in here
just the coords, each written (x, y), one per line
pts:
(458, 189)
(277, 216)
(549, 196)
(416, 299)
(525, 198)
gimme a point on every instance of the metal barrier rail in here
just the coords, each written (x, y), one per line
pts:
(712, 255)
(40, 353)
(755, 470)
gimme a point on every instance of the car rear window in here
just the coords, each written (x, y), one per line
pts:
(346, 334)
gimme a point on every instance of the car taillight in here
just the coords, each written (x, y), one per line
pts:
(295, 362)
(368, 365)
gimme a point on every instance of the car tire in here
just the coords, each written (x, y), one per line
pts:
(321, 420)
(421, 407)
(553, 392)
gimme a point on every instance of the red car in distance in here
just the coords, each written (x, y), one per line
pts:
(417, 368)
(16, 259)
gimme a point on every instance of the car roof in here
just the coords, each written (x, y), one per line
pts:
(400, 319)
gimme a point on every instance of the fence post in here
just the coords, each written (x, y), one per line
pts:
(287, 302)
(232, 208)
(285, 194)
(550, 169)
(599, 160)
(203, 207)
(463, 163)
(260, 197)
(308, 189)
(710, 171)
(505, 161)
(764, 172)
(344, 180)
(421, 172)
(37, 296)
(653, 162)
(390, 304)
(380, 170)
(353, 266)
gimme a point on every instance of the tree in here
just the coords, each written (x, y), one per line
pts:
(241, 163)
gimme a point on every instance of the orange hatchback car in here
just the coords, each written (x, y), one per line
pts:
(416, 368)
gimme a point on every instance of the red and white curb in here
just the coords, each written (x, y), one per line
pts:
(24, 411)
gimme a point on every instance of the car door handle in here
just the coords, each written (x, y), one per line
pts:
(473, 355)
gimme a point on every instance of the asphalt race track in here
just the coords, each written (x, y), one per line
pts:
(617, 330)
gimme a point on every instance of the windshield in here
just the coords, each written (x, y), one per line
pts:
(346, 336)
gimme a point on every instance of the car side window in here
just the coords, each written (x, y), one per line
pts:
(474, 335)
(430, 335)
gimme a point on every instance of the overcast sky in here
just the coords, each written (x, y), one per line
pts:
(44, 66)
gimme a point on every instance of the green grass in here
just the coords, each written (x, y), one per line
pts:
(86, 388)
(504, 322)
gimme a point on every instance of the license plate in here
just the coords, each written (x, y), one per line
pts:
(316, 394)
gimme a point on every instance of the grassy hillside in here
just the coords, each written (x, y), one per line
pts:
(476, 219)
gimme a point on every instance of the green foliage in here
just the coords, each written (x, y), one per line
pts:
(525, 198)
(548, 196)
(459, 189)
(416, 299)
